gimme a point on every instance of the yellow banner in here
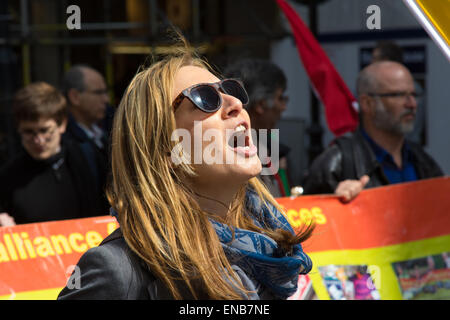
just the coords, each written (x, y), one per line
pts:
(438, 13)
(434, 16)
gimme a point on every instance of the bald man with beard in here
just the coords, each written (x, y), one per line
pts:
(377, 153)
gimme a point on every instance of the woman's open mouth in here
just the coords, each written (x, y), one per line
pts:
(241, 143)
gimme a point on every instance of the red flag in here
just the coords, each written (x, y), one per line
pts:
(340, 104)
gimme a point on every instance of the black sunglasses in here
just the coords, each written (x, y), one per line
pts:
(206, 96)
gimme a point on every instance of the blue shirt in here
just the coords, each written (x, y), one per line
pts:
(394, 174)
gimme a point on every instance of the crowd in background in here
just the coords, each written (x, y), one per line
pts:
(64, 163)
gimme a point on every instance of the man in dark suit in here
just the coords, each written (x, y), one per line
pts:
(89, 115)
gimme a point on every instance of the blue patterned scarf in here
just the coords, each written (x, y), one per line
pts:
(258, 256)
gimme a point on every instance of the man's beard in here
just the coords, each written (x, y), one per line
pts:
(385, 121)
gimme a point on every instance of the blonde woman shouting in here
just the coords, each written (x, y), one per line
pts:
(191, 227)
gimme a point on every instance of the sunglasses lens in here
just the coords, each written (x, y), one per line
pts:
(206, 98)
(235, 89)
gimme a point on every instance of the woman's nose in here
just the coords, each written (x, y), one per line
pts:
(232, 106)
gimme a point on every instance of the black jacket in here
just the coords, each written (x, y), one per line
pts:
(112, 271)
(351, 157)
(98, 159)
(58, 188)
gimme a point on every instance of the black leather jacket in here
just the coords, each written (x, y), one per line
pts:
(112, 271)
(336, 164)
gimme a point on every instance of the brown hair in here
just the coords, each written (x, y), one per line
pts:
(39, 100)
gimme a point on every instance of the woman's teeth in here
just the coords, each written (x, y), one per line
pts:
(239, 138)
(240, 141)
(240, 128)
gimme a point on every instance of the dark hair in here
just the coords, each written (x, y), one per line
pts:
(261, 78)
(389, 50)
(74, 79)
(39, 100)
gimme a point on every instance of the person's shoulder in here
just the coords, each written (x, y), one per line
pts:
(425, 160)
(353, 137)
(71, 145)
(414, 146)
(343, 144)
(78, 152)
(330, 155)
(74, 131)
(116, 254)
(109, 271)
(419, 151)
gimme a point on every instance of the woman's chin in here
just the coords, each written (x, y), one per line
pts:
(250, 168)
(236, 173)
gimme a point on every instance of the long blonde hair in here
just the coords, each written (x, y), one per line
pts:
(159, 217)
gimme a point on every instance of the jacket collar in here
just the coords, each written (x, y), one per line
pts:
(370, 165)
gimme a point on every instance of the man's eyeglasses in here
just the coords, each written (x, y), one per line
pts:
(45, 133)
(395, 94)
(206, 96)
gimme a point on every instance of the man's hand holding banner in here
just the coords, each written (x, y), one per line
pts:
(396, 238)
